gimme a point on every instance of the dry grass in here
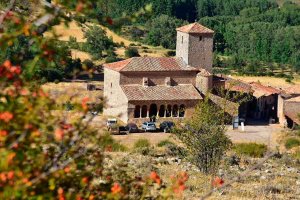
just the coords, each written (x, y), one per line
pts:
(271, 81)
(65, 32)
(72, 91)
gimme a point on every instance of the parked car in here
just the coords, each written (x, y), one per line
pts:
(129, 128)
(149, 126)
(123, 130)
(166, 126)
(132, 128)
(111, 122)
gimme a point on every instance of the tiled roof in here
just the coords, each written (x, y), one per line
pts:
(143, 64)
(194, 28)
(237, 85)
(293, 90)
(261, 90)
(180, 92)
(292, 110)
(230, 107)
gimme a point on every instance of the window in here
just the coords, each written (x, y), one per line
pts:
(200, 38)
(111, 85)
(145, 82)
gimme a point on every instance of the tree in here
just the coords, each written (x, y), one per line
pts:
(204, 137)
(162, 31)
(97, 41)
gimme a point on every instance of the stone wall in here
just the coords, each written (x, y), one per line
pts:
(201, 52)
(204, 83)
(182, 46)
(115, 100)
(195, 49)
(158, 78)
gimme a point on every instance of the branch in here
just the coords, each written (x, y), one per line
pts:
(10, 6)
(238, 178)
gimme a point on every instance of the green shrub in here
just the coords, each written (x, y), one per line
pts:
(131, 52)
(176, 151)
(142, 143)
(292, 142)
(164, 143)
(109, 142)
(250, 149)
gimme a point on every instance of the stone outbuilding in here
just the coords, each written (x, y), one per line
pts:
(154, 88)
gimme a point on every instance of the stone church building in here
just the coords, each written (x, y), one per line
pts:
(142, 88)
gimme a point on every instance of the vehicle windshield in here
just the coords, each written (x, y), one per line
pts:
(151, 124)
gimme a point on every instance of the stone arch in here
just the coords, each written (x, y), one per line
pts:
(182, 110)
(153, 110)
(162, 110)
(175, 111)
(137, 112)
(169, 111)
(144, 111)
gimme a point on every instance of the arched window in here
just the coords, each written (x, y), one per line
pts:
(153, 110)
(181, 110)
(137, 112)
(175, 111)
(144, 111)
(169, 111)
(162, 111)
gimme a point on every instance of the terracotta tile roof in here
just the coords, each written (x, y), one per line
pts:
(237, 85)
(261, 90)
(180, 92)
(150, 64)
(194, 28)
(293, 90)
(292, 110)
(230, 107)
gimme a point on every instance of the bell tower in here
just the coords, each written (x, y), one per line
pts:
(195, 46)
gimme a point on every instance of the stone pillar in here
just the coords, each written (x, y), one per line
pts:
(165, 113)
(141, 111)
(148, 112)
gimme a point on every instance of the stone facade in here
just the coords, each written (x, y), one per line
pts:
(116, 103)
(195, 49)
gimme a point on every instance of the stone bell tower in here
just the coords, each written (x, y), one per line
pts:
(195, 46)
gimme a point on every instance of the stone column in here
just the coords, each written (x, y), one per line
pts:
(141, 111)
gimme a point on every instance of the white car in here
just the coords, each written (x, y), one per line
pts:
(149, 126)
(111, 122)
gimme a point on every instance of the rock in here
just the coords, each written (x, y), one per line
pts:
(262, 177)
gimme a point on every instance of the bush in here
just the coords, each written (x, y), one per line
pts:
(170, 53)
(176, 151)
(111, 59)
(164, 143)
(250, 149)
(131, 52)
(292, 142)
(142, 143)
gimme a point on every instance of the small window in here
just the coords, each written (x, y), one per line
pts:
(145, 81)
(200, 38)
(111, 85)
(182, 39)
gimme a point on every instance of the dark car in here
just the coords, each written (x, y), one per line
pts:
(166, 126)
(132, 128)
(129, 128)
